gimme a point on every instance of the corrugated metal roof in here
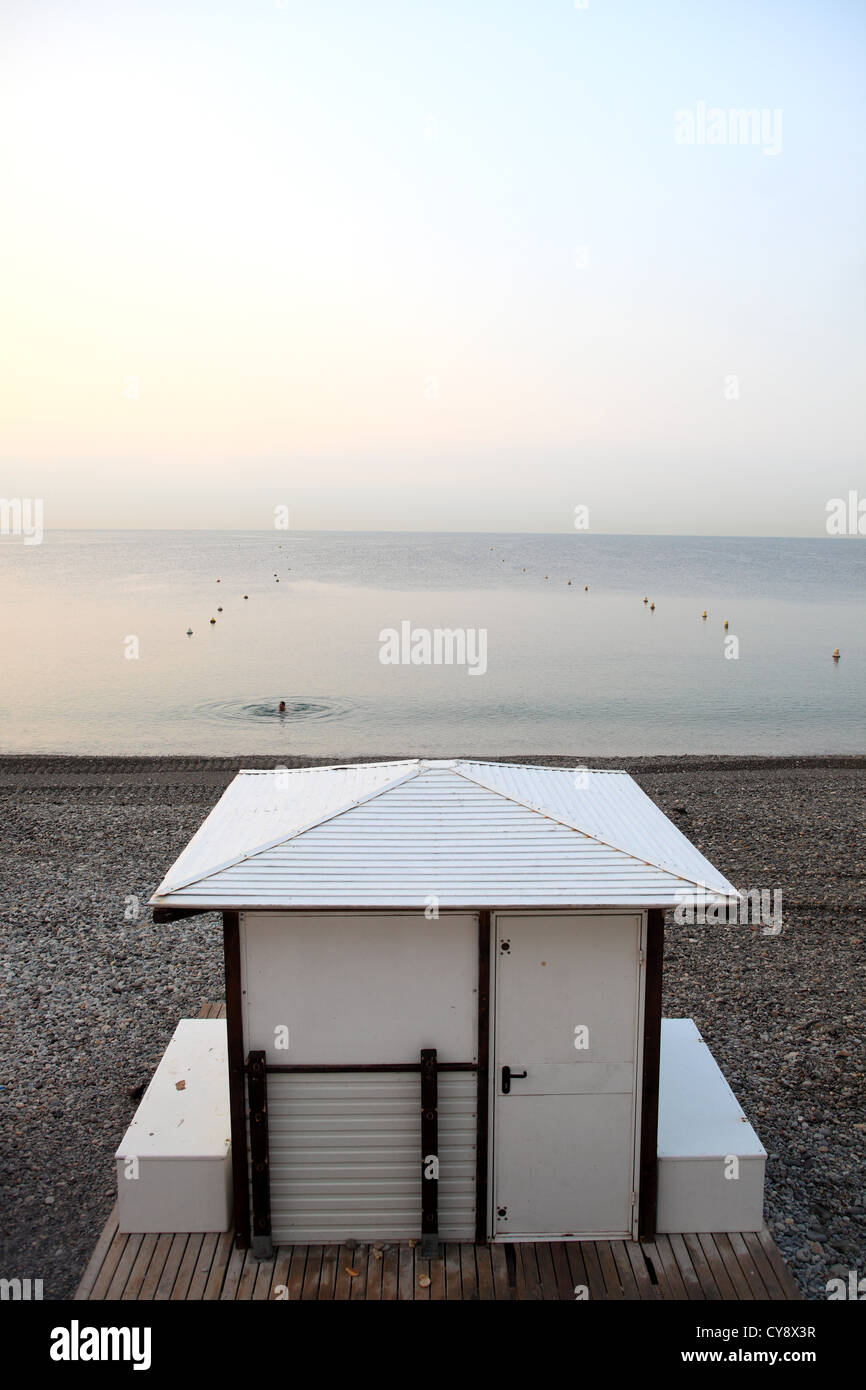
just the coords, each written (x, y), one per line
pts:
(468, 834)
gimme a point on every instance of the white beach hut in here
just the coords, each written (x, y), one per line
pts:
(443, 1004)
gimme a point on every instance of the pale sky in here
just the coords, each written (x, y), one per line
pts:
(432, 266)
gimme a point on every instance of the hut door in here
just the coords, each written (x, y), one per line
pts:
(566, 1040)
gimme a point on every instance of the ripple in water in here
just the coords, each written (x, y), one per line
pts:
(299, 709)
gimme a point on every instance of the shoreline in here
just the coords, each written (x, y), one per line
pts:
(14, 764)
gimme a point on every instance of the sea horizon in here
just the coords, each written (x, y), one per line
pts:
(554, 649)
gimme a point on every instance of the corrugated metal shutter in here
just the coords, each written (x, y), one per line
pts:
(345, 1156)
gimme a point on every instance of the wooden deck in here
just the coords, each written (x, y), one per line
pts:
(744, 1266)
(180, 1267)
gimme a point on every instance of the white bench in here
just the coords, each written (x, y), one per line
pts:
(174, 1163)
(704, 1139)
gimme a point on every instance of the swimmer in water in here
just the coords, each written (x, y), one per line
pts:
(282, 706)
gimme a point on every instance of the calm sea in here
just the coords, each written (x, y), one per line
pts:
(96, 656)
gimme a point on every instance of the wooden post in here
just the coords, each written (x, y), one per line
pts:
(652, 1036)
(483, 1079)
(237, 1104)
(257, 1078)
(429, 1155)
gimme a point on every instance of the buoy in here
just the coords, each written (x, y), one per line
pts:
(704, 614)
(213, 620)
(836, 654)
(652, 608)
(726, 624)
(189, 632)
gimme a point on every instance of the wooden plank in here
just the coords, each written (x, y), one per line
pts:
(263, 1280)
(312, 1273)
(214, 1250)
(583, 1258)
(390, 1271)
(343, 1280)
(328, 1278)
(690, 1276)
(172, 1265)
(112, 1258)
(94, 1264)
(234, 1269)
(636, 1257)
(375, 1273)
(406, 1276)
(155, 1268)
(468, 1273)
(422, 1271)
(225, 1251)
(486, 1290)
(437, 1278)
(139, 1269)
(453, 1286)
(666, 1268)
(297, 1271)
(783, 1274)
(701, 1267)
(546, 1272)
(609, 1270)
(528, 1277)
(732, 1265)
(627, 1279)
(765, 1269)
(578, 1274)
(124, 1268)
(499, 1265)
(748, 1266)
(561, 1270)
(247, 1281)
(278, 1291)
(361, 1260)
(717, 1265)
(187, 1268)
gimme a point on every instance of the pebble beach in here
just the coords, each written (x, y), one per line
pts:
(92, 990)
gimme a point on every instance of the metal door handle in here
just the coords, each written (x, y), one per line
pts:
(507, 1076)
